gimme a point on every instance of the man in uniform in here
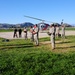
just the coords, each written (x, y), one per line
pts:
(15, 33)
(52, 37)
(63, 32)
(57, 31)
(20, 32)
(31, 34)
(35, 33)
(25, 32)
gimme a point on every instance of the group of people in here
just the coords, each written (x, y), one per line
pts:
(54, 31)
(57, 31)
(19, 32)
(33, 33)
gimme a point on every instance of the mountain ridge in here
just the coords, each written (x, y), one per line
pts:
(26, 24)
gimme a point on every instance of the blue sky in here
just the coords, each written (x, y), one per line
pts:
(13, 11)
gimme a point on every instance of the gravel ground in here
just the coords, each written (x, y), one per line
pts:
(9, 35)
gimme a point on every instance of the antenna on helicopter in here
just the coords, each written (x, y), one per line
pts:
(62, 21)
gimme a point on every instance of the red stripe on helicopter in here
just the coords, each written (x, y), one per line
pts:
(45, 27)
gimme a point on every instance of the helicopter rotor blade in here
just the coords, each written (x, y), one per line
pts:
(34, 18)
(39, 19)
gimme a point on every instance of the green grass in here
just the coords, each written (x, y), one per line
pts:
(70, 28)
(22, 57)
(6, 30)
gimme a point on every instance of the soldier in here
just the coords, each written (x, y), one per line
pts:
(20, 32)
(52, 37)
(63, 32)
(57, 31)
(15, 33)
(25, 32)
(35, 33)
(31, 34)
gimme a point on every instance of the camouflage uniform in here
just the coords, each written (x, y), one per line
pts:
(52, 37)
(63, 32)
(31, 34)
(25, 33)
(57, 31)
(36, 39)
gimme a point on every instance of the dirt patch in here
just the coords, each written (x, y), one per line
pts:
(9, 35)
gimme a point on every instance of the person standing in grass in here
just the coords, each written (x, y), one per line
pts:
(15, 33)
(57, 31)
(20, 32)
(36, 36)
(31, 34)
(25, 32)
(63, 32)
(52, 36)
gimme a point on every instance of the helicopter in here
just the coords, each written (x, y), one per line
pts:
(42, 25)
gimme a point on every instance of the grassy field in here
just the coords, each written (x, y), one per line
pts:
(22, 57)
(6, 30)
(70, 28)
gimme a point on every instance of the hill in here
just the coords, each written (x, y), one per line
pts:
(5, 25)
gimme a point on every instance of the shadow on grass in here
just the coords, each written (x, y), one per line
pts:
(65, 47)
(16, 46)
(62, 42)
